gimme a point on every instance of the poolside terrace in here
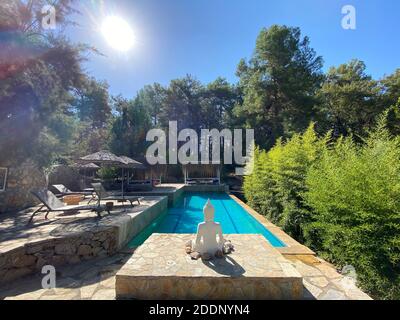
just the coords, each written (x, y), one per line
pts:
(95, 280)
(88, 252)
(69, 239)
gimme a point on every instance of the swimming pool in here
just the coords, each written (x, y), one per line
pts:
(188, 213)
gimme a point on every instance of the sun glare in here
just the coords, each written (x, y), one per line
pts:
(118, 33)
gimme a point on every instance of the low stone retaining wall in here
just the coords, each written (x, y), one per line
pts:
(161, 269)
(32, 257)
(73, 242)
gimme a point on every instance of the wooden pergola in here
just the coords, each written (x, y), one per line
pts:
(202, 173)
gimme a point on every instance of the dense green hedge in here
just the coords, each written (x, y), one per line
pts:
(340, 198)
(277, 182)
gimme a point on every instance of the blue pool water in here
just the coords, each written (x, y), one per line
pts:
(188, 213)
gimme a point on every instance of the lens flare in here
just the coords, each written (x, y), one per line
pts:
(118, 33)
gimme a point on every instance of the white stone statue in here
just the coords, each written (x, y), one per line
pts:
(209, 238)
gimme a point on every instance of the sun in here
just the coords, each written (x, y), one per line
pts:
(118, 33)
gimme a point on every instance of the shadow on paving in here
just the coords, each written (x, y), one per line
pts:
(15, 226)
(226, 266)
(84, 274)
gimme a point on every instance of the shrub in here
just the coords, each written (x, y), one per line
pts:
(354, 194)
(108, 173)
(342, 199)
(277, 181)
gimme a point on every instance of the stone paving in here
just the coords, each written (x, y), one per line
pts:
(323, 282)
(69, 239)
(15, 230)
(90, 280)
(95, 280)
(161, 269)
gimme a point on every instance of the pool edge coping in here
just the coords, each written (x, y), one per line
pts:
(292, 246)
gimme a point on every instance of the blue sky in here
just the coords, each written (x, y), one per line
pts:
(207, 38)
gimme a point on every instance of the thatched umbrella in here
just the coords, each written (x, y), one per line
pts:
(90, 166)
(104, 157)
(132, 164)
(107, 158)
(110, 159)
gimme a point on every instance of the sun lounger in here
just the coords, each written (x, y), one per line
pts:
(50, 203)
(104, 195)
(139, 185)
(64, 191)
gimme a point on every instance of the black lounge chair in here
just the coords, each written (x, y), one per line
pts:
(104, 195)
(50, 203)
(139, 185)
(64, 191)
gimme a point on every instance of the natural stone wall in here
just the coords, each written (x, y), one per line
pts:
(161, 269)
(57, 252)
(20, 181)
(77, 241)
(67, 176)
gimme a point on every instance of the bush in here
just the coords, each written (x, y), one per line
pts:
(354, 194)
(108, 173)
(275, 186)
(342, 199)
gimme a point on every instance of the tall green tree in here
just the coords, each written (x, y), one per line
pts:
(391, 99)
(278, 84)
(350, 100)
(152, 98)
(130, 127)
(39, 71)
(182, 103)
(93, 109)
(394, 119)
(93, 103)
(391, 88)
(218, 99)
(198, 106)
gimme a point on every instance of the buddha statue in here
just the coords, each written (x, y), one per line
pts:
(209, 239)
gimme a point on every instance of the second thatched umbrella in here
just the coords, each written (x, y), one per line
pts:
(107, 158)
(91, 167)
(132, 164)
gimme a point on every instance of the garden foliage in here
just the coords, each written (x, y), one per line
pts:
(341, 198)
